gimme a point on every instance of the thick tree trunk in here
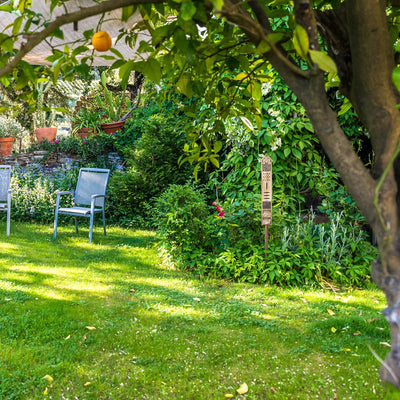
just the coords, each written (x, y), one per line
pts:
(358, 39)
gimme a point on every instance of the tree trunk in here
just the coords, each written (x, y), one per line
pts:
(358, 40)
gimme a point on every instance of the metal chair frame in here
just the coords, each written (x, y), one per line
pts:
(87, 201)
(5, 193)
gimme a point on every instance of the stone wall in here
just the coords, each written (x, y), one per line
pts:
(50, 160)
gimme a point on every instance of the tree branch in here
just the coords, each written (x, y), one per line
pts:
(255, 32)
(64, 19)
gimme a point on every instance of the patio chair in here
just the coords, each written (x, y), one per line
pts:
(5, 193)
(89, 197)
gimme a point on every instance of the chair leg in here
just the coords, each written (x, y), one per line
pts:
(91, 227)
(76, 225)
(8, 219)
(55, 225)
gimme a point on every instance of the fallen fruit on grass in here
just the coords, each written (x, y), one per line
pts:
(243, 388)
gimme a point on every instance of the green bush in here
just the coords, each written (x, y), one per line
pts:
(182, 217)
(33, 197)
(152, 167)
(228, 242)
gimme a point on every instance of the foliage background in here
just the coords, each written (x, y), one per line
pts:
(317, 235)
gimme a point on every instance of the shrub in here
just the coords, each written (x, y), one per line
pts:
(228, 242)
(182, 217)
(33, 197)
(152, 167)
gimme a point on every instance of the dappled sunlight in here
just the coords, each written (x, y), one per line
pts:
(110, 312)
(168, 310)
(184, 286)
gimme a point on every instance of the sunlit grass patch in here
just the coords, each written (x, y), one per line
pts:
(107, 321)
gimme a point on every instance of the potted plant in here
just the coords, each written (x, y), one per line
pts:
(112, 107)
(10, 129)
(44, 117)
(85, 122)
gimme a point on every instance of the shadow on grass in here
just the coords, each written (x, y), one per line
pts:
(108, 314)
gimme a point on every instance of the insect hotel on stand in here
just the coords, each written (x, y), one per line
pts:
(266, 195)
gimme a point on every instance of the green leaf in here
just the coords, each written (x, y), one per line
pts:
(323, 60)
(23, 5)
(180, 40)
(58, 33)
(247, 123)
(286, 151)
(79, 50)
(297, 154)
(6, 8)
(242, 76)
(214, 161)
(153, 70)
(187, 10)
(127, 12)
(160, 33)
(125, 71)
(218, 4)
(346, 106)
(117, 53)
(6, 45)
(217, 146)
(56, 70)
(17, 25)
(263, 47)
(300, 41)
(28, 71)
(185, 86)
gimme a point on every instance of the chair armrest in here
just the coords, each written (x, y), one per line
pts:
(59, 193)
(93, 200)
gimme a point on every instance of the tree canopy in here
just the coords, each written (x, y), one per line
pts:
(221, 52)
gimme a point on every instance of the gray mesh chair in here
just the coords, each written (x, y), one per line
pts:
(5, 193)
(89, 197)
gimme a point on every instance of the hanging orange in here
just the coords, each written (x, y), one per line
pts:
(101, 41)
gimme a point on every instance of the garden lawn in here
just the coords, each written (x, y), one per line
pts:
(109, 321)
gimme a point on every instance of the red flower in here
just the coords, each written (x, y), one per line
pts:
(218, 208)
(221, 214)
(214, 203)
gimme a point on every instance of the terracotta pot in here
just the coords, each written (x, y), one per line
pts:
(82, 132)
(6, 144)
(46, 134)
(112, 127)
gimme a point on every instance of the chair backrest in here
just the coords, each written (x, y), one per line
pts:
(91, 181)
(5, 177)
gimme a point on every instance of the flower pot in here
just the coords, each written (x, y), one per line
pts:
(48, 134)
(6, 144)
(112, 127)
(82, 132)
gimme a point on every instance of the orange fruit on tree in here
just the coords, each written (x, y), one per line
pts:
(101, 41)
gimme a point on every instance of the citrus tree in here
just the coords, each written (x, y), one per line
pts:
(221, 52)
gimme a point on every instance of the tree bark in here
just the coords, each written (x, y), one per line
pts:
(362, 49)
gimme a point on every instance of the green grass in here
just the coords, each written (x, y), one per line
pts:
(109, 321)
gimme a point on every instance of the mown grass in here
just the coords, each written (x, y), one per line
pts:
(109, 321)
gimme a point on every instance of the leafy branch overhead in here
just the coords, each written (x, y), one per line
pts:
(219, 53)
